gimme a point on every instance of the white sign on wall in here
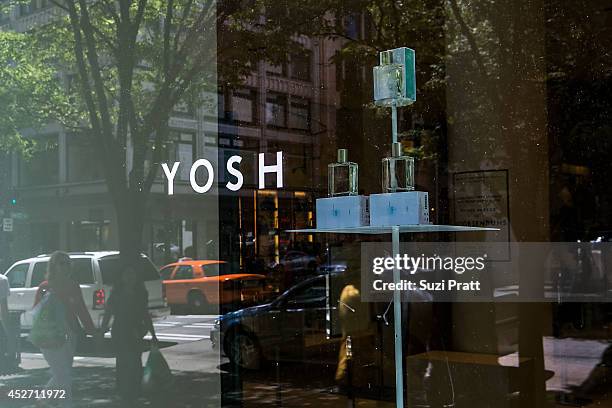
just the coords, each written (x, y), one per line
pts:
(7, 224)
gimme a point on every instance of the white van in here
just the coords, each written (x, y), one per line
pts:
(94, 271)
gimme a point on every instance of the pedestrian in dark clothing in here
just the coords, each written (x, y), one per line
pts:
(128, 304)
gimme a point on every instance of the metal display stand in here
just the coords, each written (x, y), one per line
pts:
(397, 310)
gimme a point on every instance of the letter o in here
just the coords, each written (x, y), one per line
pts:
(192, 176)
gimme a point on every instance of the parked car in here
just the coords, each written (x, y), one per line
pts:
(94, 271)
(297, 262)
(291, 328)
(199, 283)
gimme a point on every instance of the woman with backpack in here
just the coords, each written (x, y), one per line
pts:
(61, 294)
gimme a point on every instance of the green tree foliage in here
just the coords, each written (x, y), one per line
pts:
(31, 95)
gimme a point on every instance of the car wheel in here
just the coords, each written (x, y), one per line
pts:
(243, 351)
(196, 301)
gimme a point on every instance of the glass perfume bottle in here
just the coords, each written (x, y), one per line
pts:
(388, 80)
(342, 176)
(397, 171)
(395, 78)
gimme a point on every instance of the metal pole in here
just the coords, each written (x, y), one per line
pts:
(397, 324)
(394, 121)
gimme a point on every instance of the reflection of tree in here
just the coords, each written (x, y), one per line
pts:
(125, 67)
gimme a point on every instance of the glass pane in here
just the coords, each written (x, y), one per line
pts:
(17, 276)
(276, 110)
(300, 66)
(82, 271)
(299, 114)
(184, 272)
(243, 104)
(166, 272)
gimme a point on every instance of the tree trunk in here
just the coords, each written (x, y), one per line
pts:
(131, 224)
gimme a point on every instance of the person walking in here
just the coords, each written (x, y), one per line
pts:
(5, 325)
(60, 283)
(128, 306)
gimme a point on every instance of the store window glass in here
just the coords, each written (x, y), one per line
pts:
(428, 124)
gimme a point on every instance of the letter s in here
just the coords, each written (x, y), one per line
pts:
(234, 172)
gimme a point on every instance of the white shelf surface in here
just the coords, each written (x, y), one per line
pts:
(387, 230)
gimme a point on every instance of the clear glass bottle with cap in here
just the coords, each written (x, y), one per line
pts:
(388, 80)
(397, 171)
(342, 176)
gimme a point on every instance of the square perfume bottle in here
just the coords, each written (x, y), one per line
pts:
(395, 78)
(397, 171)
(342, 176)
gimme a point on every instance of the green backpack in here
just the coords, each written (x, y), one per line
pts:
(49, 327)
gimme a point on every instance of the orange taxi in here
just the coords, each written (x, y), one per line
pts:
(207, 283)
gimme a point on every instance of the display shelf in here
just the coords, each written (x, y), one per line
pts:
(388, 230)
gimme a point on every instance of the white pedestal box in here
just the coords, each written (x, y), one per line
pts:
(405, 208)
(342, 212)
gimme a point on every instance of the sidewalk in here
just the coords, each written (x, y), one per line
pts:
(198, 374)
(195, 384)
(95, 387)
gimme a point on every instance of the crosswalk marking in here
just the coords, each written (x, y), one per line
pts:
(181, 335)
(40, 356)
(178, 337)
(197, 317)
(174, 337)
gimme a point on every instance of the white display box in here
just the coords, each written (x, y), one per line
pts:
(343, 212)
(405, 208)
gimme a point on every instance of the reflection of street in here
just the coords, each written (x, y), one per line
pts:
(192, 331)
(184, 341)
(196, 366)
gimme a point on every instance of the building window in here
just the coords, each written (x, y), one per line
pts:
(184, 109)
(244, 106)
(279, 70)
(182, 150)
(82, 164)
(42, 168)
(214, 105)
(299, 114)
(25, 9)
(276, 110)
(300, 66)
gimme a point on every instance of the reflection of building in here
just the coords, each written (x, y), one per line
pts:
(287, 108)
(64, 204)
